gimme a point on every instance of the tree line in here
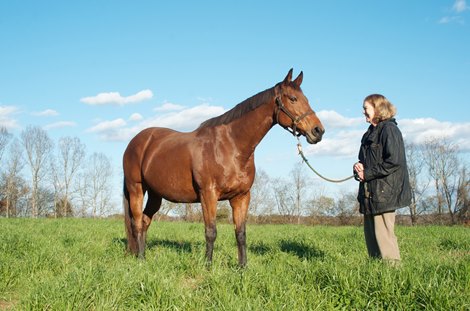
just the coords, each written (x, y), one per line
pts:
(440, 181)
(41, 178)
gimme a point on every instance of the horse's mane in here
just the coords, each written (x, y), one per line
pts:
(239, 110)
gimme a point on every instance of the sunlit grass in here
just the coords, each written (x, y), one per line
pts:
(80, 264)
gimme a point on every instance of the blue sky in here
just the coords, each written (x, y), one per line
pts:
(103, 70)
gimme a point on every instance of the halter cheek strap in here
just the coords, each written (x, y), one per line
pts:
(295, 119)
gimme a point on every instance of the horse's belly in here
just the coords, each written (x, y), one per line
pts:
(173, 187)
(178, 194)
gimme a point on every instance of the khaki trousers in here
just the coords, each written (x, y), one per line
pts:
(379, 231)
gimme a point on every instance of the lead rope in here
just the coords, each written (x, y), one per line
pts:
(299, 147)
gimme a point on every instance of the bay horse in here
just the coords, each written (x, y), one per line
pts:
(212, 163)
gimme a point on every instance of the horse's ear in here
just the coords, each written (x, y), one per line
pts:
(288, 78)
(298, 80)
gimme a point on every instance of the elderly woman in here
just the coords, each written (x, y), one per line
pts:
(383, 175)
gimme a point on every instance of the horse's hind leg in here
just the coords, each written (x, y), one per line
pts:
(135, 236)
(153, 205)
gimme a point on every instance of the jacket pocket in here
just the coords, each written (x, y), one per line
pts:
(383, 191)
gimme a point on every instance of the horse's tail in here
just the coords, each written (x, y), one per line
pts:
(128, 218)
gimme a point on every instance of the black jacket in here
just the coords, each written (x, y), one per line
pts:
(386, 185)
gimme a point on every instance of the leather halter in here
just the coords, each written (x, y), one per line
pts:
(295, 119)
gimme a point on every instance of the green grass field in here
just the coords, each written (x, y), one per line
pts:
(80, 264)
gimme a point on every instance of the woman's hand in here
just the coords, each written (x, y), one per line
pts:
(359, 169)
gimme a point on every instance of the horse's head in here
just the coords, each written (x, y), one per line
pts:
(293, 111)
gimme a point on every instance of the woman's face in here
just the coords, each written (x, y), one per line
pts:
(369, 113)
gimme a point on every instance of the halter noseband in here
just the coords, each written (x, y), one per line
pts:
(295, 120)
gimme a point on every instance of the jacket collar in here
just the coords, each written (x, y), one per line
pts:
(373, 131)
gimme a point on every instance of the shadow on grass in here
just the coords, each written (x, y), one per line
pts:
(453, 245)
(301, 250)
(181, 246)
(259, 248)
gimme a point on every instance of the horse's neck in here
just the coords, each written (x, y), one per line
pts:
(248, 130)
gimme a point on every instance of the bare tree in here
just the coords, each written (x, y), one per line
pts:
(443, 164)
(82, 192)
(71, 153)
(415, 162)
(188, 212)
(346, 207)
(167, 208)
(284, 199)
(95, 185)
(463, 194)
(261, 201)
(12, 181)
(431, 159)
(292, 196)
(46, 204)
(38, 147)
(322, 205)
(300, 182)
(4, 139)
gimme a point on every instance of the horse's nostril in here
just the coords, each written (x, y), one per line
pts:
(318, 131)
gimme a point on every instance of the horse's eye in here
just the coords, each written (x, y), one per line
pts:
(292, 98)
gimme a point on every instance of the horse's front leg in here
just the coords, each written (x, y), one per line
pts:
(209, 211)
(239, 210)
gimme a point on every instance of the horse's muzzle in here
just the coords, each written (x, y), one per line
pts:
(315, 135)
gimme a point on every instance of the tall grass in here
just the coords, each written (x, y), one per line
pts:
(79, 264)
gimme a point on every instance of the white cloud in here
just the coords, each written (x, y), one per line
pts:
(169, 107)
(6, 117)
(420, 130)
(60, 124)
(184, 120)
(460, 6)
(113, 130)
(343, 141)
(46, 113)
(456, 15)
(451, 19)
(342, 144)
(136, 117)
(116, 98)
(342, 136)
(332, 119)
(107, 125)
